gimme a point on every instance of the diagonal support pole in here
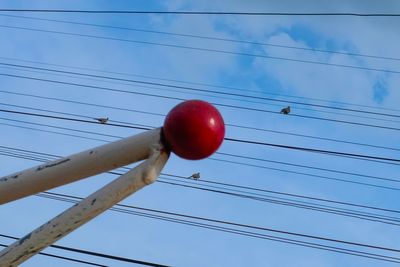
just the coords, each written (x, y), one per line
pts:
(132, 181)
(78, 166)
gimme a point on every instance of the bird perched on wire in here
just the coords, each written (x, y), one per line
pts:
(195, 176)
(102, 120)
(286, 110)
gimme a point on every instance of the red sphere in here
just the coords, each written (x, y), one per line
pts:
(194, 129)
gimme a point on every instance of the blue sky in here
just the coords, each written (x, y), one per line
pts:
(180, 245)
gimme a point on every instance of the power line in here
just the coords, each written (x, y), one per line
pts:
(206, 50)
(143, 127)
(253, 227)
(218, 153)
(70, 119)
(264, 236)
(312, 137)
(228, 161)
(239, 193)
(296, 108)
(53, 132)
(308, 167)
(182, 99)
(356, 14)
(219, 228)
(308, 174)
(203, 37)
(384, 160)
(221, 97)
(28, 155)
(66, 258)
(198, 83)
(97, 254)
(81, 103)
(159, 114)
(330, 152)
(300, 204)
(297, 204)
(197, 89)
(289, 194)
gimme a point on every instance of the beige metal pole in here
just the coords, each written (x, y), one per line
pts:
(78, 166)
(142, 175)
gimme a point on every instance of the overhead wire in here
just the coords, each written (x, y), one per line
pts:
(183, 12)
(191, 48)
(330, 152)
(279, 231)
(217, 153)
(264, 167)
(197, 83)
(52, 157)
(367, 216)
(241, 232)
(265, 237)
(102, 88)
(197, 218)
(187, 88)
(383, 160)
(307, 174)
(297, 108)
(307, 197)
(307, 166)
(96, 254)
(163, 115)
(25, 154)
(67, 258)
(254, 227)
(201, 37)
(267, 229)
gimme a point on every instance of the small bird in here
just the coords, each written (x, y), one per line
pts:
(286, 110)
(195, 176)
(102, 120)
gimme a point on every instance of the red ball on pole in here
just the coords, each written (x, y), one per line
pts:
(194, 129)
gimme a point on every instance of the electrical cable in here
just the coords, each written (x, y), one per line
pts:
(66, 258)
(218, 153)
(196, 89)
(258, 197)
(206, 50)
(394, 221)
(183, 99)
(52, 157)
(287, 194)
(311, 149)
(308, 167)
(297, 108)
(383, 160)
(198, 83)
(253, 227)
(98, 254)
(159, 114)
(158, 12)
(202, 37)
(247, 233)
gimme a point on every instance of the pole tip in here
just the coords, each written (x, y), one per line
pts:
(194, 129)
